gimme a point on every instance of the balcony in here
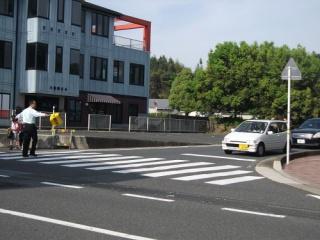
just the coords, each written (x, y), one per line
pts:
(128, 43)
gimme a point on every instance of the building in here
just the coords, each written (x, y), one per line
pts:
(66, 53)
(158, 106)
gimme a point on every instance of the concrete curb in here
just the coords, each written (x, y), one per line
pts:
(272, 169)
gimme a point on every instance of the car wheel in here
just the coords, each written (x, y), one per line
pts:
(228, 152)
(261, 150)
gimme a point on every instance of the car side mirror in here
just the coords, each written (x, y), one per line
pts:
(270, 133)
(233, 130)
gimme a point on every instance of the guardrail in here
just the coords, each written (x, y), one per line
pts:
(99, 122)
(43, 123)
(128, 43)
(147, 124)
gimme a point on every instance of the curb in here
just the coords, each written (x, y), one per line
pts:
(272, 169)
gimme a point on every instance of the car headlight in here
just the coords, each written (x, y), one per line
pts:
(317, 135)
(226, 140)
(252, 142)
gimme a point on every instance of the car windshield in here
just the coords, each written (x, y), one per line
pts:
(252, 127)
(311, 123)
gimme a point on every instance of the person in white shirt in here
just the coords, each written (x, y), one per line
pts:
(28, 117)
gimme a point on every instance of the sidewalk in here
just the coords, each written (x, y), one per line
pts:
(306, 169)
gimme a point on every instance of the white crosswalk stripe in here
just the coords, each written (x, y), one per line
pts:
(218, 157)
(234, 180)
(61, 162)
(114, 163)
(211, 175)
(185, 165)
(137, 165)
(39, 159)
(18, 156)
(192, 170)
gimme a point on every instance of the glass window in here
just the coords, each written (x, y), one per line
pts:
(4, 106)
(118, 72)
(75, 62)
(59, 59)
(98, 68)
(76, 13)
(99, 24)
(32, 8)
(60, 11)
(5, 54)
(83, 21)
(133, 110)
(37, 56)
(252, 127)
(81, 65)
(74, 110)
(136, 74)
(38, 8)
(6, 7)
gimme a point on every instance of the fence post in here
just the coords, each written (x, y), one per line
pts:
(194, 126)
(180, 125)
(129, 124)
(65, 121)
(164, 125)
(147, 124)
(110, 119)
(89, 119)
(40, 123)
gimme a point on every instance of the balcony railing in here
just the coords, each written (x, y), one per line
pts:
(128, 43)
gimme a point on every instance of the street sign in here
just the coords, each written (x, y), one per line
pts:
(290, 72)
(295, 72)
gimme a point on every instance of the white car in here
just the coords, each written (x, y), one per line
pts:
(257, 136)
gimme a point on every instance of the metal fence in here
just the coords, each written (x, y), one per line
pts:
(43, 123)
(127, 42)
(99, 122)
(147, 124)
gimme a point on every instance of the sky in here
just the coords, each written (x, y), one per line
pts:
(187, 30)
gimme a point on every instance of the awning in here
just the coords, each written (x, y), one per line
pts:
(97, 98)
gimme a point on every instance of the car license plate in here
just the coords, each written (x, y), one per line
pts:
(301, 141)
(243, 147)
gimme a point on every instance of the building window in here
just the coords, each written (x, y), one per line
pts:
(38, 8)
(37, 56)
(75, 62)
(99, 24)
(4, 106)
(59, 59)
(5, 55)
(81, 65)
(118, 71)
(83, 21)
(60, 11)
(6, 7)
(99, 68)
(74, 110)
(76, 13)
(136, 74)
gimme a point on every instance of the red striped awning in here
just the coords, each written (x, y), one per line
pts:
(97, 98)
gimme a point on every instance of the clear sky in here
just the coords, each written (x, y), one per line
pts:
(187, 29)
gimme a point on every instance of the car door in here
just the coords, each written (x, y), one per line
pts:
(272, 140)
(282, 135)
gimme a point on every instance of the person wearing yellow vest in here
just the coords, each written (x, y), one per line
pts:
(28, 118)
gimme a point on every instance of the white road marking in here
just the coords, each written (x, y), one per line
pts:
(61, 185)
(314, 196)
(147, 197)
(192, 170)
(18, 156)
(4, 176)
(37, 159)
(165, 167)
(234, 180)
(73, 225)
(114, 163)
(137, 165)
(219, 157)
(254, 213)
(211, 175)
(81, 160)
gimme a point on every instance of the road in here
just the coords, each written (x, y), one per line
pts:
(173, 193)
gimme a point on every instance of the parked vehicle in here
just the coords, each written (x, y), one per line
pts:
(257, 136)
(308, 134)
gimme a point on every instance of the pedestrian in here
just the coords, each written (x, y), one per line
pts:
(29, 128)
(15, 129)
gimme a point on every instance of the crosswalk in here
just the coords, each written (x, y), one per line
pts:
(183, 170)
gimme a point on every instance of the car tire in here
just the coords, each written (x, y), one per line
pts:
(261, 150)
(228, 152)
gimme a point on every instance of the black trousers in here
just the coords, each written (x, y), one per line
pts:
(29, 132)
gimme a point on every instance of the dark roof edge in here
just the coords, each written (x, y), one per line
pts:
(100, 9)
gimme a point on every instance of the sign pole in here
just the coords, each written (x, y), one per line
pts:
(289, 115)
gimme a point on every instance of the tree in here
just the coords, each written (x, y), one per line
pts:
(183, 95)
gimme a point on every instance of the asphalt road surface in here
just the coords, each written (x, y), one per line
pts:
(178, 193)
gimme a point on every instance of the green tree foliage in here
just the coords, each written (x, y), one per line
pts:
(243, 78)
(183, 94)
(163, 72)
